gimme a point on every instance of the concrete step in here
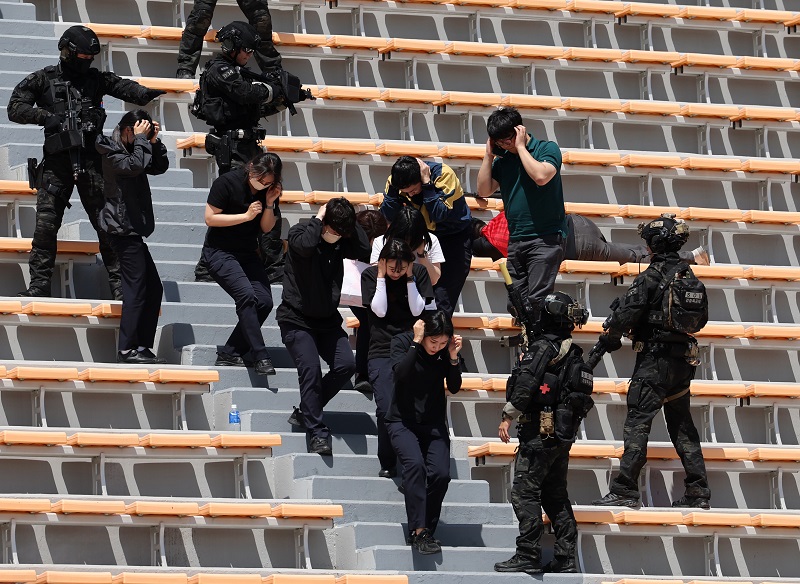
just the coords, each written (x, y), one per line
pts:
(18, 27)
(497, 578)
(205, 355)
(364, 535)
(17, 11)
(166, 232)
(209, 292)
(300, 465)
(35, 44)
(340, 422)
(453, 513)
(286, 396)
(27, 63)
(378, 489)
(402, 557)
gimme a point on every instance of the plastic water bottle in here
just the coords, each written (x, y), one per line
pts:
(234, 421)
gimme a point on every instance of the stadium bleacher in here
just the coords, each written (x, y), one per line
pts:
(115, 474)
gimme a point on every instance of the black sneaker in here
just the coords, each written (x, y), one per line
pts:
(296, 419)
(264, 367)
(387, 473)
(320, 445)
(35, 292)
(228, 360)
(363, 385)
(560, 566)
(148, 353)
(134, 357)
(696, 502)
(424, 543)
(614, 500)
(518, 563)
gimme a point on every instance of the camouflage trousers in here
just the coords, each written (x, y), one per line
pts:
(270, 244)
(540, 482)
(199, 21)
(51, 201)
(659, 380)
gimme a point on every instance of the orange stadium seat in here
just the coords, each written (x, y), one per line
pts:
(651, 160)
(12, 437)
(778, 217)
(103, 439)
(788, 273)
(287, 143)
(648, 517)
(536, 52)
(702, 213)
(659, 108)
(352, 93)
(462, 151)
(779, 114)
(597, 6)
(710, 110)
(708, 13)
(342, 41)
(239, 440)
(171, 33)
(116, 30)
(469, 98)
(371, 579)
(776, 165)
(475, 49)
(768, 390)
(772, 331)
(225, 579)
(203, 376)
(344, 146)
(532, 101)
(178, 508)
(592, 104)
(415, 46)
(647, 9)
(95, 374)
(8, 505)
(43, 373)
(656, 57)
(768, 63)
(705, 60)
(15, 187)
(89, 507)
(303, 40)
(597, 157)
(711, 163)
(175, 440)
(540, 4)
(56, 577)
(775, 454)
(411, 95)
(220, 509)
(149, 578)
(761, 15)
(587, 54)
(593, 209)
(18, 576)
(295, 510)
(322, 197)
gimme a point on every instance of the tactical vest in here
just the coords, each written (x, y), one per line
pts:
(681, 303)
(86, 102)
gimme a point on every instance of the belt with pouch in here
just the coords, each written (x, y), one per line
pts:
(687, 350)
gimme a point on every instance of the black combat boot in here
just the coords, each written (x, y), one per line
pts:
(696, 502)
(561, 566)
(518, 563)
(614, 500)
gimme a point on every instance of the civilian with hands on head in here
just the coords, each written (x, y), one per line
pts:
(548, 394)
(242, 204)
(233, 105)
(527, 172)
(128, 156)
(374, 225)
(423, 361)
(308, 316)
(435, 191)
(395, 292)
(70, 158)
(199, 21)
(660, 311)
(409, 225)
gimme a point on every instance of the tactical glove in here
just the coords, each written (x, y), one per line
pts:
(154, 93)
(609, 343)
(53, 124)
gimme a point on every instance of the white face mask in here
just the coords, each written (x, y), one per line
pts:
(256, 185)
(330, 237)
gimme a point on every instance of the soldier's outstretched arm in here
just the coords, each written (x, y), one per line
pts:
(632, 307)
(128, 90)
(22, 107)
(227, 80)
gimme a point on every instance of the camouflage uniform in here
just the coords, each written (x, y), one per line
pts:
(199, 21)
(28, 105)
(246, 103)
(542, 462)
(661, 377)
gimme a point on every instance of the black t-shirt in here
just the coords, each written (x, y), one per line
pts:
(398, 317)
(231, 192)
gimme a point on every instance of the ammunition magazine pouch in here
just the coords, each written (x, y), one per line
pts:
(63, 141)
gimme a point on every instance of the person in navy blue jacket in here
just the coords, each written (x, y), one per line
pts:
(434, 189)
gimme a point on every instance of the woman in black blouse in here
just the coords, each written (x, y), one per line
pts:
(422, 361)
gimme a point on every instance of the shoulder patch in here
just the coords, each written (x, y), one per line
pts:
(227, 72)
(27, 81)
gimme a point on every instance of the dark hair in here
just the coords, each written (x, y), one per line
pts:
(406, 172)
(372, 222)
(409, 225)
(501, 123)
(437, 323)
(397, 249)
(340, 215)
(477, 226)
(265, 163)
(129, 120)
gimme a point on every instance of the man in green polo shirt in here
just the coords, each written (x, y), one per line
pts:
(528, 173)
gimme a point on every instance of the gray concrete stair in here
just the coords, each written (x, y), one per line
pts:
(377, 488)
(299, 465)
(364, 535)
(402, 557)
(453, 513)
(17, 11)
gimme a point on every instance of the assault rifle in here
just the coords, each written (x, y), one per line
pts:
(290, 85)
(525, 314)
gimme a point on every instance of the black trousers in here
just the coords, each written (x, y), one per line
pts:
(141, 292)
(535, 262)
(306, 347)
(244, 279)
(362, 340)
(199, 20)
(382, 380)
(540, 482)
(654, 379)
(457, 251)
(51, 200)
(424, 454)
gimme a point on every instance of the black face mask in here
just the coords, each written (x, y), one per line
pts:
(76, 66)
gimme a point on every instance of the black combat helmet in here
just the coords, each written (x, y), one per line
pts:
(561, 313)
(238, 35)
(78, 40)
(665, 234)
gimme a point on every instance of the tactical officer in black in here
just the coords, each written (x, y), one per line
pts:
(198, 22)
(67, 99)
(659, 321)
(548, 394)
(233, 104)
